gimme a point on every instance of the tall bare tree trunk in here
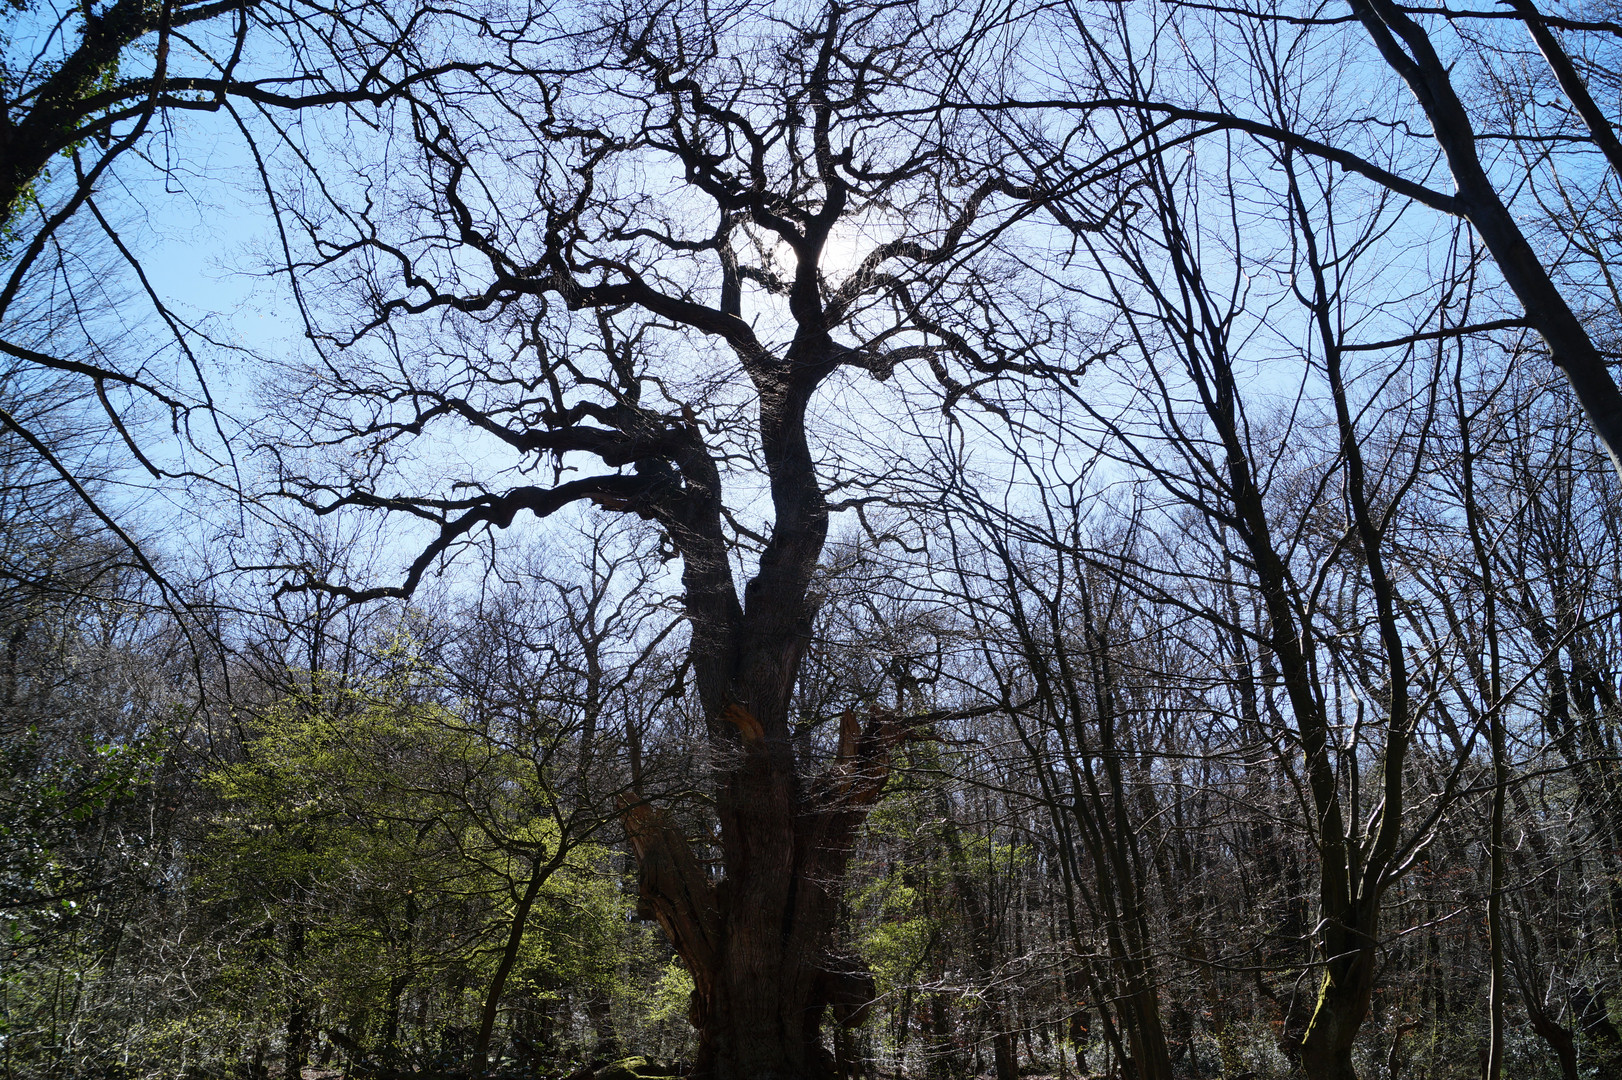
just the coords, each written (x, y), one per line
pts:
(758, 944)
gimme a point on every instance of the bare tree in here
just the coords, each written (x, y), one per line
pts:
(98, 99)
(646, 348)
(1121, 69)
(1304, 504)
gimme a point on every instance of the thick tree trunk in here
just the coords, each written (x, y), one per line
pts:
(759, 1002)
(1560, 1038)
(1343, 1004)
(761, 1017)
(758, 944)
(1005, 1054)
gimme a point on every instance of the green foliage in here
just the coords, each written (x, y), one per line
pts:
(374, 847)
(912, 916)
(903, 931)
(53, 797)
(84, 872)
(671, 994)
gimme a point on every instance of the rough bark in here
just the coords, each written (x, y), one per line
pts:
(758, 943)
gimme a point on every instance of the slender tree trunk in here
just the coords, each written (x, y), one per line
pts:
(1571, 83)
(1496, 988)
(942, 1060)
(397, 986)
(509, 956)
(391, 1021)
(1492, 691)
(298, 1016)
(600, 1010)
(984, 944)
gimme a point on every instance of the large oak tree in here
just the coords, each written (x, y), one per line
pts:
(628, 271)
